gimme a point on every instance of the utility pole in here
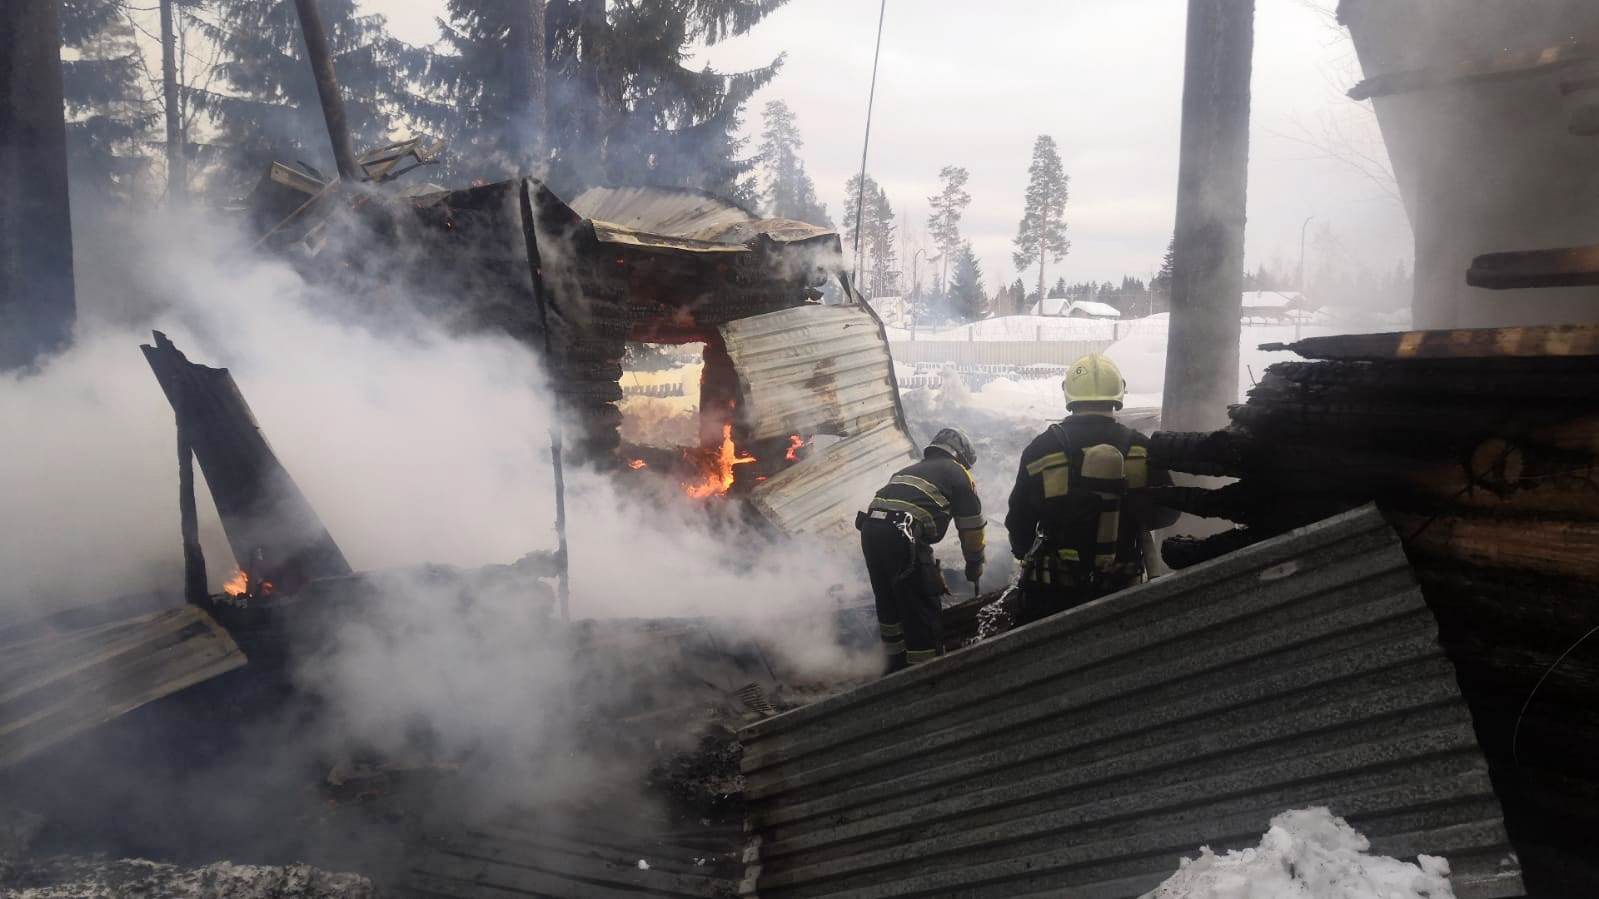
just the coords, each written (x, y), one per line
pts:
(177, 160)
(1299, 283)
(37, 300)
(327, 89)
(1208, 265)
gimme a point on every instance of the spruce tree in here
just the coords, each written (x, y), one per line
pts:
(948, 205)
(1041, 235)
(269, 110)
(966, 289)
(622, 107)
(109, 115)
(882, 240)
(789, 192)
(1161, 283)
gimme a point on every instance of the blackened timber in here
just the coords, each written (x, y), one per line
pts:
(1555, 548)
(263, 512)
(1563, 267)
(1471, 343)
(195, 590)
(1514, 381)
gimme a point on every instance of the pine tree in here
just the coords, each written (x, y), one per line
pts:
(1042, 231)
(966, 288)
(108, 113)
(881, 240)
(874, 232)
(1059, 290)
(948, 205)
(271, 111)
(789, 192)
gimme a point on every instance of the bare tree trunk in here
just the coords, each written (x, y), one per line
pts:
(177, 160)
(37, 301)
(327, 89)
(1208, 265)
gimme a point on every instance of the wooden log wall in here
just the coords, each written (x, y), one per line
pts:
(1481, 448)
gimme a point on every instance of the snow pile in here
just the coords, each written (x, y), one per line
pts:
(1307, 854)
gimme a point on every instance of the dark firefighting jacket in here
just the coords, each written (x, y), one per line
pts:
(1051, 468)
(934, 492)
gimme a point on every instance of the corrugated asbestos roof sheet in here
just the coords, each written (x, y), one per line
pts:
(1083, 755)
(822, 494)
(58, 683)
(680, 219)
(812, 369)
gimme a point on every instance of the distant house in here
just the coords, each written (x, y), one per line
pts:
(1274, 305)
(1061, 307)
(1091, 309)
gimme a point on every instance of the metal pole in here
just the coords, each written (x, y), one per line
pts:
(1299, 282)
(866, 142)
(563, 587)
(327, 89)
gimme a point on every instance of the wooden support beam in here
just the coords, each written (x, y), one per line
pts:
(1475, 343)
(1563, 267)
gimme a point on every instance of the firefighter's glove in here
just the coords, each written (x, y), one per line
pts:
(974, 571)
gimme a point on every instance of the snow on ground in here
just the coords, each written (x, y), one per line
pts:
(1307, 854)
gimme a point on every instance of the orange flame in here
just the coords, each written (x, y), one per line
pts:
(795, 441)
(238, 585)
(719, 469)
(636, 464)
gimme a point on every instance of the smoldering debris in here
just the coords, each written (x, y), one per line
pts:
(74, 877)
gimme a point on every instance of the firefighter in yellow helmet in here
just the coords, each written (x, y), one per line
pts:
(1081, 500)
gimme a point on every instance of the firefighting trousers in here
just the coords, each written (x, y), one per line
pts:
(908, 588)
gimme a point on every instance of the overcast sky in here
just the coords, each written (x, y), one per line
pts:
(974, 83)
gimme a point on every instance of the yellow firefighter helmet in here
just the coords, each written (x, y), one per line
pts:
(1094, 379)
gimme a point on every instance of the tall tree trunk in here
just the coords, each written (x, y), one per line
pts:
(1208, 266)
(525, 66)
(177, 160)
(327, 89)
(37, 302)
(538, 97)
(1043, 225)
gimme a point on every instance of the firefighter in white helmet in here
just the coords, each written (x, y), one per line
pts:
(1081, 501)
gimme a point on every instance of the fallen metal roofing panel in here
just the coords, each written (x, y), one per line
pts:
(821, 495)
(1084, 754)
(59, 682)
(811, 369)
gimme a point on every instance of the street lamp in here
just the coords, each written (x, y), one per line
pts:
(1300, 282)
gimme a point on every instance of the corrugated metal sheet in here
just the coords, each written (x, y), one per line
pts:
(56, 683)
(822, 494)
(571, 859)
(1084, 754)
(813, 369)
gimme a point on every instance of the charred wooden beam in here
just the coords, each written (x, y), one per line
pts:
(263, 512)
(1471, 343)
(1563, 267)
(1509, 381)
(1256, 504)
(1510, 64)
(1555, 548)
